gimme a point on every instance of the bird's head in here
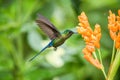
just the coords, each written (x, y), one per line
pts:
(67, 33)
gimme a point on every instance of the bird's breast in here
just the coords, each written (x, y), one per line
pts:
(58, 41)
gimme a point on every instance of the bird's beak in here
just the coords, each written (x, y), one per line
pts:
(74, 30)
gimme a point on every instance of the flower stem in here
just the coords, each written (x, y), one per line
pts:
(113, 53)
(94, 54)
(114, 66)
(100, 56)
(103, 71)
(99, 52)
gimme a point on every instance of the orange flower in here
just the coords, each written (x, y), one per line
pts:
(117, 40)
(119, 12)
(93, 61)
(114, 27)
(91, 38)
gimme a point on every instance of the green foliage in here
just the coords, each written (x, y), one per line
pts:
(21, 38)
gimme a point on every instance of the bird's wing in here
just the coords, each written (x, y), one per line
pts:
(47, 27)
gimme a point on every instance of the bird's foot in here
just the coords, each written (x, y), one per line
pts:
(55, 49)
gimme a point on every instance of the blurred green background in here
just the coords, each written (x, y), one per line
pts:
(21, 38)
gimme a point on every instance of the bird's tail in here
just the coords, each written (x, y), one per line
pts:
(49, 45)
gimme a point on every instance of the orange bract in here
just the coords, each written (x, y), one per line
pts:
(91, 38)
(114, 27)
(93, 61)
(117, 40)
(119, 12)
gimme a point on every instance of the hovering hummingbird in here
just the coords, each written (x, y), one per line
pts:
(56, 37)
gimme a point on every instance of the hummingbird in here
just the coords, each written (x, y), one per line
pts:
(52, 32)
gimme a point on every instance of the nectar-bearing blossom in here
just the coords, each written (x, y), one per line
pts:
(97, 36)
(91, 38)
(117, 40)
(114, 27)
